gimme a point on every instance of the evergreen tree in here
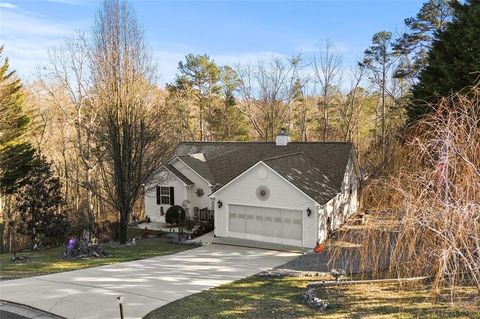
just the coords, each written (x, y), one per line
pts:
(40, 204)
(413, 46)
(379, 60)
(201, 76)
(454, 60)
(203, 94)
(15, 154)
(227, 122)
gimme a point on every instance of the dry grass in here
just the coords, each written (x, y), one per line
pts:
(426, 214)
(280, 298)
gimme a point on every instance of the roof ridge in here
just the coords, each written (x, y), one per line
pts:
(284, 155)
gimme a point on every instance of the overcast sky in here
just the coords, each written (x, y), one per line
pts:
(228, 31)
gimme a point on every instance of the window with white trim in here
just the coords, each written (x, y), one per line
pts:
(165, 195)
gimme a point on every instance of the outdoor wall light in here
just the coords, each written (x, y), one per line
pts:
(219, 204)
(309, 212)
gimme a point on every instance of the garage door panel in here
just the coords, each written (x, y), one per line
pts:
(291, 229)
(237, 219)
(270, 224)
(253, 226)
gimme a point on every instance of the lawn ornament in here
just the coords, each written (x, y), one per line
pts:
(146, 232)
(318, 248)
(337, 273)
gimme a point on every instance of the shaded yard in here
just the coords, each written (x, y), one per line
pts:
(280, 298)
(46, 261)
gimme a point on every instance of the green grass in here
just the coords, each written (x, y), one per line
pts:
(135, 232)
(280, 298)
(47, 261)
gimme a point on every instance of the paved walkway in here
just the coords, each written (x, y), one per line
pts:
(146, 284)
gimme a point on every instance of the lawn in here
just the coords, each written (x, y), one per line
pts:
(47, 261)
(280, 298)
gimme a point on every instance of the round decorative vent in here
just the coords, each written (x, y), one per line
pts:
(263, 193)
(262, 173)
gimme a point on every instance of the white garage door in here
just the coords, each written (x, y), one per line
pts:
(280, 226)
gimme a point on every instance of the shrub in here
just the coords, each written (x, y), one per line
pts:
(173, 213)
(41, 205)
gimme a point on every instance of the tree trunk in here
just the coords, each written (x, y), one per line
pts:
(383, 114)
(325, 117)
(91, 216)
(124, 213)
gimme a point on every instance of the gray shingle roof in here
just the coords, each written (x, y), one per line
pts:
(177, 173)
(200, 167)
(316, 168)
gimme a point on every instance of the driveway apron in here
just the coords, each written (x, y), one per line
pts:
(145, 284)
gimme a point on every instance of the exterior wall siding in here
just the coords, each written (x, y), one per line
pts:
(195, 201)
(342, 206)
(282, 196)
(167, 179)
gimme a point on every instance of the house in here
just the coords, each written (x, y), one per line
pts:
(280, 192)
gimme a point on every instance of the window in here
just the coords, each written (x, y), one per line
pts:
(165, 195)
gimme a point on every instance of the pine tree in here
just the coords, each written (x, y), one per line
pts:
(203, 94)
(413, 46)
(379, 60)
(454, 60)
(40, 204)
(201, 75)
(227, 122)
(15, 154)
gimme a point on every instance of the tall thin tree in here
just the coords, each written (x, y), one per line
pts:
(326, 67)
(134, 144)
(379, 60)
(68, 75)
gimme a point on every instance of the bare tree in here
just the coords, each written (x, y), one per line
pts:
(303, 105)
(134, 144)
(68, 84)
(326, 67)
(267, 90)
(350, 108)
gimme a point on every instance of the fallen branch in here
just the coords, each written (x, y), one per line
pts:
(318, 284)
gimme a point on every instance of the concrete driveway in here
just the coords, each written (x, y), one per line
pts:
(146, 284)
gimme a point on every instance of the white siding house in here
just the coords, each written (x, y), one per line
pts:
(284, 193)
(281, 218)
(345, 204)
(175, 184)
(169, 191)
(199, 183)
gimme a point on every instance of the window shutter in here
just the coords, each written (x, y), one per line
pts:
(172, 197)
(159, 200)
